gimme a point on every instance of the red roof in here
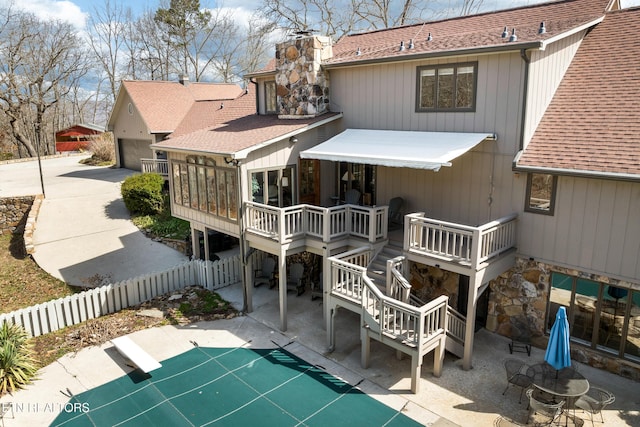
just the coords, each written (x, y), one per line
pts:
(593, 121)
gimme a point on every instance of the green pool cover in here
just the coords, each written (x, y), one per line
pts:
(230, 387)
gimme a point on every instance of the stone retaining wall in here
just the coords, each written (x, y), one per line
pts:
(14, 212)
(18, 215)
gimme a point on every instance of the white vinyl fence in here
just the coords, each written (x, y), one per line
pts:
(77, 308)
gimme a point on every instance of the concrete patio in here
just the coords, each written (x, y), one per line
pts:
(458, 397)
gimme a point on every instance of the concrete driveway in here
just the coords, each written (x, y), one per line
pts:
(84, 233)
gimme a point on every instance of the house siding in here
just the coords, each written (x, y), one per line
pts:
(479, 186)
(129, 127)
(594, 228)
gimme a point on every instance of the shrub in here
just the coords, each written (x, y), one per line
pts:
(17, 366)
(103, 148)
(142, 193)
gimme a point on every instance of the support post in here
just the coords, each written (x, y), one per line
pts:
(282, 280)
(471, 321)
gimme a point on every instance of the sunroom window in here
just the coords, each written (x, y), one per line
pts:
(201, 185)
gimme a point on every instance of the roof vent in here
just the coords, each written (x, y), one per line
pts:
(542, 28)
(505, 33)
(429, 37)
(358, 52)
(513, 37)
(411, 44)
(401, 45)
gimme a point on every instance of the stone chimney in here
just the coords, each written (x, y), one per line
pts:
(183, 80)
(302, 87)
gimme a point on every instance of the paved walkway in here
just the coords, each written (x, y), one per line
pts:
(83, 232)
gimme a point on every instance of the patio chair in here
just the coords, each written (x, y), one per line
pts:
(295, 279)
(595, 401)
(352, 197)
(395, 213)
(266, 273)
(517, 375)
(541, 413)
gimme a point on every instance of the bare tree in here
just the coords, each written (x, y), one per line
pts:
(337, 18)
(257, 47)
(149, 56)
(107, 31)
(40, 62)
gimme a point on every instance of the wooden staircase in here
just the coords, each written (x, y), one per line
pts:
(381, 296)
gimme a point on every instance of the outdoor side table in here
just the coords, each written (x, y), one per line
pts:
(520, 345)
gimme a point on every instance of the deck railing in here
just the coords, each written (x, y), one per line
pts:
(459, 243)
(290, 223)
(158, 166)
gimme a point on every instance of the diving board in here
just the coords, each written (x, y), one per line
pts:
(131, 351)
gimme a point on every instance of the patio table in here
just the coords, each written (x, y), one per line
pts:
(567, 384)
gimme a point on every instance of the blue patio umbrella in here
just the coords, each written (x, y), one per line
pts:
(558, 353)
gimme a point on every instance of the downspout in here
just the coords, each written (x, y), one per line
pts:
(257, 95)
(527, 62)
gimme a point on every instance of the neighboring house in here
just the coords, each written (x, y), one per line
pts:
(77, 137)
(511, 139)
(147, 111)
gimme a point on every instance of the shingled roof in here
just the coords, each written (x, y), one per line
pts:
(164, 104)
(476, 32)
(593, 121)
(207, 114)
(466, 34)
(241, 134)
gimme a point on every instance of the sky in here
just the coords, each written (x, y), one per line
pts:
(78, 11)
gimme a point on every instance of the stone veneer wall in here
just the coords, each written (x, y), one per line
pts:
(517, 307)
(431, 282)
(13, 213)
(302, 87)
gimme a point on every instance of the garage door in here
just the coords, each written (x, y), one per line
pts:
(131, 151)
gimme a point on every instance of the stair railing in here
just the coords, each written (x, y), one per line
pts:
(397, 286)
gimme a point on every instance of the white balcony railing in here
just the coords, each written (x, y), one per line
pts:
(287, 224)
(459, 243)
(155, 166)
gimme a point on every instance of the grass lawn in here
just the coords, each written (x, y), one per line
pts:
(22, 282)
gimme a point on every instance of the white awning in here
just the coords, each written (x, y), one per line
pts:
(403, 149)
